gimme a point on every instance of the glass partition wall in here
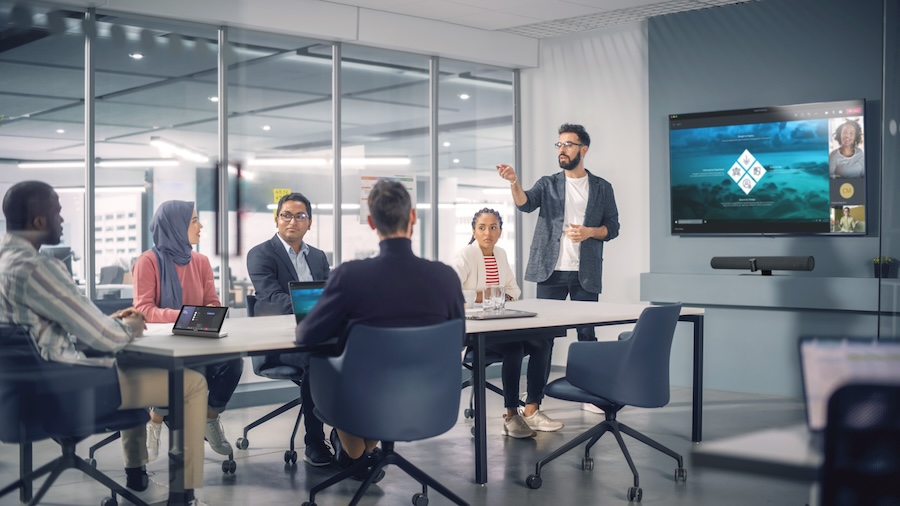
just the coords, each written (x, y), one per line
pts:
(155, 136)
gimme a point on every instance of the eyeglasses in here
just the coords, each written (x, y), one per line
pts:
(287, 217)
(567, 144)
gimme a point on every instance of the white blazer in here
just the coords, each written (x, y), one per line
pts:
(469, 266)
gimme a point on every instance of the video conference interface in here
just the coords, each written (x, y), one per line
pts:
(201, 318)
(785, 169)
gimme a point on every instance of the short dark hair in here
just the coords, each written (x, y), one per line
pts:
(856, 127)
(389, 206)
(578, 130)
(25, 201)
(296, 197)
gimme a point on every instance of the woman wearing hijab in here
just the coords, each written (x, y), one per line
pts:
(166, 277)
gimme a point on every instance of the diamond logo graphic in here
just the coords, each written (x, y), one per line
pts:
(746, 171)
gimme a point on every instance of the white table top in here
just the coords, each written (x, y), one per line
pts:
(782, 453)
(272, 333)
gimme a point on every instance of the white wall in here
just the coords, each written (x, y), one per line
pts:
(597, 79)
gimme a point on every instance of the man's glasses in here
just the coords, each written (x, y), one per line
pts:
(567, 144)
(299, 217)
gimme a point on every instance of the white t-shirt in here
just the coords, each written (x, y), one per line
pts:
(576, 205)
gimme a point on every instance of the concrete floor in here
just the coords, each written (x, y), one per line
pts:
(263, 479)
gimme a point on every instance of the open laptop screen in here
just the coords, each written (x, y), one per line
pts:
(304, 295)
(828, 364)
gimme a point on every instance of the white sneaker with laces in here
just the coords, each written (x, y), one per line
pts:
(539, 421)
(590, 408)
(515, 427)
(153, 431)
(215, 435)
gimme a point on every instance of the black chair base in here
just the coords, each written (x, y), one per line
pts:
(290, 455)
(592, 436)
(69, 460)
(378, 461)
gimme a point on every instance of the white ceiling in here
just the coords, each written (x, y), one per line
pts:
(535, 18)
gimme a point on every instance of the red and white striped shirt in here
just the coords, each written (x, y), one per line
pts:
(492, 274)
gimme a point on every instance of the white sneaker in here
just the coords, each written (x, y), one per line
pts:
(539, 421)
(514, 426)
(153, 431)
(215, 435)
(590, 408)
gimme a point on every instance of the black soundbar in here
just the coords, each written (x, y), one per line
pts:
(764, 264)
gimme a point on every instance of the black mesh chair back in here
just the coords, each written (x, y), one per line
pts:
(862, 447)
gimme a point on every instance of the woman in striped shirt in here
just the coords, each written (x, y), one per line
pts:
(482, 263)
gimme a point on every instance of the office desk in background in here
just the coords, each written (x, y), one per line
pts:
(554, 317)
(785, 453)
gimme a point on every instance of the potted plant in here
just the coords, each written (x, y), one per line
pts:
(882, 266)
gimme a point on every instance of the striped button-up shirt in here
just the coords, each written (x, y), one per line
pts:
(38, 293)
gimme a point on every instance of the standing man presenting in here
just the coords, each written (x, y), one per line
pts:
(577, 215)
(272, 265)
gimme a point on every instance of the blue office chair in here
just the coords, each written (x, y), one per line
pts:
(390, 384)
(269, 367)
(862, 446)
(40, 400)
(490, 358)
(633, 371)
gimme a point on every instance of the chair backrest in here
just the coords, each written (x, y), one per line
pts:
(392, 384)
(633, 371)
(40, 398)
(862, 446)
(112, 275)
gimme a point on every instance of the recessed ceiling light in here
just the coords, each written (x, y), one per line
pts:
(266, 128)
(136, 56)
(60, 131)
(456, 160)
(464, 96)
(446, 144)
(213, 99)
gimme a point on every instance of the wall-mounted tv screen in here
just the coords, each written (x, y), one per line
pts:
(794, 169)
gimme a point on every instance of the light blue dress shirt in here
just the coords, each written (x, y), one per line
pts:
(299, 260)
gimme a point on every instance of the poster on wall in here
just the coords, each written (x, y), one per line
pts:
(368, 180)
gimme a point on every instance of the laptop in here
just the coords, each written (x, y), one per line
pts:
(828, 364)
(304, 295)
(201, 321)
(478, 314)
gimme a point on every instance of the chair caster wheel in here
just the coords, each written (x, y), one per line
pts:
(242, 443)
(420, 499)
(109, 501)
(635, 494)
(92, 462)
(229, 466)
(290, 457)
(473, 430)
(534, 481)
(587, 464)
(680, 475)
(469, 413)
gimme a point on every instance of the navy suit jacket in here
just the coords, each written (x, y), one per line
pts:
(271, 271)
(394, 289)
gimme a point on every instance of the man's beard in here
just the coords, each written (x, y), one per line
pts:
(573, 162)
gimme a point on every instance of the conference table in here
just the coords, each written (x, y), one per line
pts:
(786, 453)
(261, 335)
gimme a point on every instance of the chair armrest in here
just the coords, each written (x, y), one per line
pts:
(624, 336)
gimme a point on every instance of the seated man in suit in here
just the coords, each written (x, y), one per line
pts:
(38, 293)
(395, 288)
(272, 265)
